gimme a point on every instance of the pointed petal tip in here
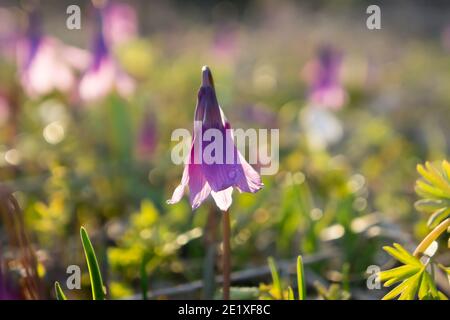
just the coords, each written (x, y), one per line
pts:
(207, 80)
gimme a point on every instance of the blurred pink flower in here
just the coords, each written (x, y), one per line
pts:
(46, 64)
(225, 43)
(120, 23)
(324, 80)
(217, 177)
(104, 73)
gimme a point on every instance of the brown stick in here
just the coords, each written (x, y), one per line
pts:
(226, 255)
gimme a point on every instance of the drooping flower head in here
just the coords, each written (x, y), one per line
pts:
(324, 79)
(214, 165)
(104, 73)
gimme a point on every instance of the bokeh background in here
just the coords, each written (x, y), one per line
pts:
(86, 118)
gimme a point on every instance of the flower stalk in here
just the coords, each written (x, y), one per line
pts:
(432, 236)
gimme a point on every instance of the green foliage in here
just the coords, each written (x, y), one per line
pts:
(150, 241)
(434, 188)
(95, 276)
(333, 292)
(346, 197)
(412, 277)
(276, 291)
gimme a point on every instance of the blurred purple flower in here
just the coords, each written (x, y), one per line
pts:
(323, 76)
(217, 177)
(45, 64)
(120, 23)
(7, 290)
(147, 138)
(259, 115)
(104, 74)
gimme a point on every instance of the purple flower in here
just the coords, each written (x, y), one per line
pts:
(104, 74)
(323, 76)
(227, 170)
(7, 290)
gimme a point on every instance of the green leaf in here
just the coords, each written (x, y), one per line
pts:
(413, 277)
(59, 292)
(434, 188)
(445, 269)
(428, 191)
(446, 168)
(438, 216)
(430, 205)
(290, 294)
(402, 255)
(398, 274)
(98, 290)
(275, 277)
(395, 292)
(301, 279)
(411, 287)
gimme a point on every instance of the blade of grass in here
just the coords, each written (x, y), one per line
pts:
(95, 276)
(301, 279)
(59, 292)
(290, 294)
(275, 277)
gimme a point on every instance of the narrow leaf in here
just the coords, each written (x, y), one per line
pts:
(290, 294)
(301, 279)
(59, 292)
(275, 277)
(95, 276)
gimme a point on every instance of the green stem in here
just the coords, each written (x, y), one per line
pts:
(433, 235)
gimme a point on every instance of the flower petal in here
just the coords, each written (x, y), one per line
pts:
(179, 191)
(198, 186)
(250, 180)
(223, 198)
